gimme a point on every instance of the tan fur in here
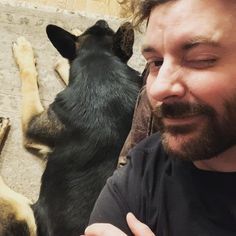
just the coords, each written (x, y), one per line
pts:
(24, 57)
(15, 205)
(31, 104)
(4, 128)
(76, 32)
(62, 68)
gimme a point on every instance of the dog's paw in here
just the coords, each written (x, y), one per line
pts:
(76, 32)
(61, 62)
(23, 53)
(62, 67)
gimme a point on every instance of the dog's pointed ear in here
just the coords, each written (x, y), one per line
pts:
(63, 41)
(123, 42)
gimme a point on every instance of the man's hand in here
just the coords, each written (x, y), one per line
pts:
(137, 228)
(100, 229)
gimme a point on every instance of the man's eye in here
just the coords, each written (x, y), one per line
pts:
(201, 64)
(154, 65)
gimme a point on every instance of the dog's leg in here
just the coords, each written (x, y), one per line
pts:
(31, 104)
(4, 129)
(40, 127)
(76, 32)
(16, 213)
(62, 67)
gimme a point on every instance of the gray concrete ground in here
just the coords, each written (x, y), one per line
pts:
(20, 169)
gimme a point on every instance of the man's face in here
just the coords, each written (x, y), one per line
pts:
(190, 46)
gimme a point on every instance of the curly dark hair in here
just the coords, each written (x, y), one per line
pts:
(140, 9)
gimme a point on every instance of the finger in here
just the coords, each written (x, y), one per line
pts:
(137, 227)
(99, 229)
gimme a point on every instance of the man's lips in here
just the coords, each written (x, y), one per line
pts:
(182, 120)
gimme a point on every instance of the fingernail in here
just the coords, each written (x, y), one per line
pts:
(131, 215)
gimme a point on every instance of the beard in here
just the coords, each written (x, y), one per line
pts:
(207, 140)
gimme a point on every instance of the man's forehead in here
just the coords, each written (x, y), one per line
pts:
(190, 20)
(179, 12)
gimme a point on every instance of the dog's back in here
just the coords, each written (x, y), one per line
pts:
(96, 111)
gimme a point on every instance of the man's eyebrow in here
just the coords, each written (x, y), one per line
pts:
(147, 49)
(198, 41)
(194, 42)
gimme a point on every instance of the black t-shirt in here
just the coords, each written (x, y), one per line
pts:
(171, 196)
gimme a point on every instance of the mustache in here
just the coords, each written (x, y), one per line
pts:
(182, 109)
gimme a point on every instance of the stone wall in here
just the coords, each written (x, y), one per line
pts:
(106, 7)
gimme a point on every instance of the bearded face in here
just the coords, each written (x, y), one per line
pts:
(192, 76)
(193, 140)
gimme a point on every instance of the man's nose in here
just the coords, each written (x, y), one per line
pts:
(168, 83)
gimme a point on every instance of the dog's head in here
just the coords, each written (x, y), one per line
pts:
(98, 37)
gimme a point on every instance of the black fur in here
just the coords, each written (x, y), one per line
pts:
(17, 228)
(96, 112)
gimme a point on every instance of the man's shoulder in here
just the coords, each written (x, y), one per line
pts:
(146, 157)
(142, 173)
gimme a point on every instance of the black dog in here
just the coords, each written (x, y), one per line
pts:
(86, 125)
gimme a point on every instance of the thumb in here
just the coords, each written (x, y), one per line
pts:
(137, 227)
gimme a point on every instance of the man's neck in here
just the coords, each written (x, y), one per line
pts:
(224, 162)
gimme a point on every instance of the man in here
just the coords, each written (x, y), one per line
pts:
(181, 182)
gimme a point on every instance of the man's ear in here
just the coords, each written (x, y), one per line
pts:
(123, 42)
(63, 41)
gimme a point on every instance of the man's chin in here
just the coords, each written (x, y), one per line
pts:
(174, 145)
(189, 146)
